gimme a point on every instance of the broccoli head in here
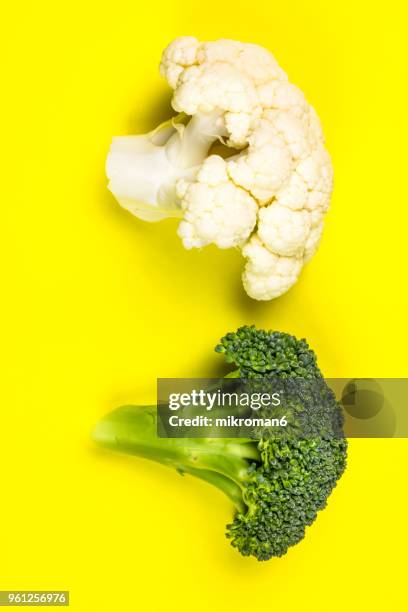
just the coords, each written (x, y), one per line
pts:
(277, 483)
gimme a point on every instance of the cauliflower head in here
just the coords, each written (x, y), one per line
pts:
(268, 186)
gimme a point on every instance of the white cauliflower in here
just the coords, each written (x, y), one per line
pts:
(267, 273)
(215, 210)
(268, 190)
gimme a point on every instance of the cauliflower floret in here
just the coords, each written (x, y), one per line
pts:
(179, 54)
(266, 275)
(282, 95)
(206, 88)
(293, 130)
(294, 194)
(268, 197)
(282, 230)
(265, 167)
(238, 126)
(215, 211)
(316, 170)
(224, 76)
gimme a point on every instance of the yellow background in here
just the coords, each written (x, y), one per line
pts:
(97, 304)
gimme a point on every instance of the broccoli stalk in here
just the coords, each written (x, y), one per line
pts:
(221, 462)
(277, 484)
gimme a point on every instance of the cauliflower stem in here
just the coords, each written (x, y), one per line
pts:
(144, 169)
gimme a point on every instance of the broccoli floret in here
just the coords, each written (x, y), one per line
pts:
(258, 353)
(285, 493)
(277, 483)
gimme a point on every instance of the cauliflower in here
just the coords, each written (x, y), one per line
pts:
(269, 188)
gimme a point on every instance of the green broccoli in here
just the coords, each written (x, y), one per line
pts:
(277, 483)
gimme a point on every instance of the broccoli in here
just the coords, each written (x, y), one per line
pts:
(277, 483)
